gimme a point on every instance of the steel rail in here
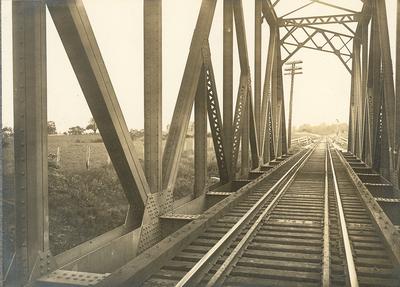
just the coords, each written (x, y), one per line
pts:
(219, 276)
(351, 268)
(205, 263)
(326, 251)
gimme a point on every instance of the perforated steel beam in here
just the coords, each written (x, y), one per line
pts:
(319, 20)
(214, 116)
(245, 70)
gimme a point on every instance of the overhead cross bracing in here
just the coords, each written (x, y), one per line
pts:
(250, 144)
(332, 33)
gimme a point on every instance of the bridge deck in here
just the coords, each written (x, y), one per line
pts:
(304, 222)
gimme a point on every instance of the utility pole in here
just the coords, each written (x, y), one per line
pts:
(292, 70)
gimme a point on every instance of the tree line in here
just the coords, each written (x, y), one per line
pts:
(76, 130)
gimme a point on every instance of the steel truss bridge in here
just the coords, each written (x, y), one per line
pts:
(316, 217)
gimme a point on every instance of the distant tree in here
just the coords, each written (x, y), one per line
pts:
(51, 128)
(136, 134)
(324, 129)
(92, 126)
(7, 131)
(6, 134)
(76, 130)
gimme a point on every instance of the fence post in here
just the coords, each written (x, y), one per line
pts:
(88, 157)
(58, 158)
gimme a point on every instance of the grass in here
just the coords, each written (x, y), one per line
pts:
(73, 151)
(84, 203)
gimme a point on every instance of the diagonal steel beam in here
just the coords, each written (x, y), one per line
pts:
(318, 49)
(299, 46)
(275, 3)
(243, 100)
(336, 52)
(289, 33)
(254, 143)
(214, 116)
(186, 96)
(297, 9)
(329, 31)
(265, 148)
(241, 36)
(238, 119)
(269, 12)
(349, 29)
(73, 26)
(333, 6)
(245, 68)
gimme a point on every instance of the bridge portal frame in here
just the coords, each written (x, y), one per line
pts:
(255, 133)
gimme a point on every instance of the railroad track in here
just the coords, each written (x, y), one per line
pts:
(305, 227)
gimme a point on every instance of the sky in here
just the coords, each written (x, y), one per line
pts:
(321, 93)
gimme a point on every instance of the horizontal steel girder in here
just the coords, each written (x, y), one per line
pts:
(319, 20)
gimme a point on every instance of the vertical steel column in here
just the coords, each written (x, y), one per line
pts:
(30, 139)
(350, 134)
(374, 86)
(397, 127)
(200, 137)
(353, 132)
(2, 263)
(281, 134)
(228, 83)
(153, 93)
(356, 73)
(274, 93)
(388, 83)
(257, 67)
(366, 139)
